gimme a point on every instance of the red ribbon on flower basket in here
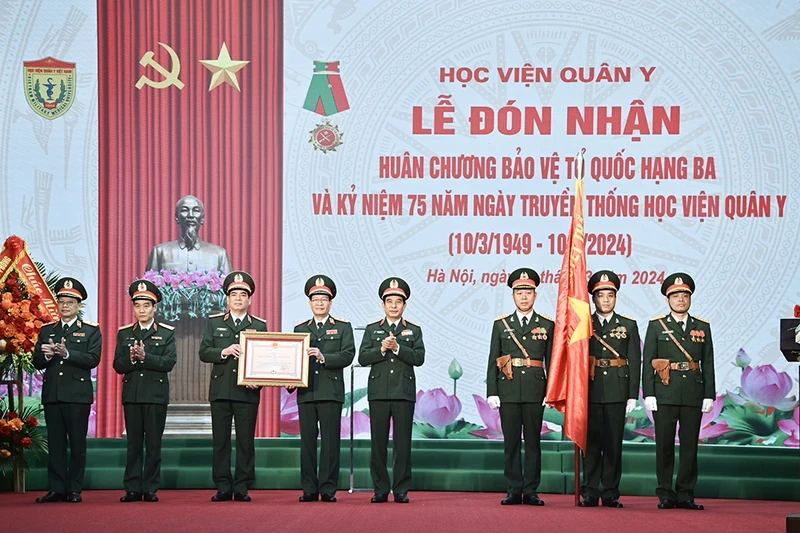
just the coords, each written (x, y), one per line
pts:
(797, 311)
(14, 257)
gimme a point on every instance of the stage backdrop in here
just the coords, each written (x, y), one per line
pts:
(436, 142)
(190, 104)
(48, 164)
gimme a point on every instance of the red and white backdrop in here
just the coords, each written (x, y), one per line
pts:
(159, 142)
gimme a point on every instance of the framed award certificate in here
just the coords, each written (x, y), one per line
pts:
(274, 359)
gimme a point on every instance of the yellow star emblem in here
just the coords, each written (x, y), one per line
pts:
(583, 311)
(224, 69)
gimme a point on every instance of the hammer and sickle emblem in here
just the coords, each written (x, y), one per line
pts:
(170, 76)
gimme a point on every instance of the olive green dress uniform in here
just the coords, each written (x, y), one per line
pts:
(391, 392)
(230, 401)
(681, 400)
(145, 393)
(320, 404)
(67, 392)
(521, 398)
(608, 394)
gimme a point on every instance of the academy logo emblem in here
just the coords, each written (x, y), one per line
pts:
(49, 86)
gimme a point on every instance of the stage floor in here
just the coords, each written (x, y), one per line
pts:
(191, 511)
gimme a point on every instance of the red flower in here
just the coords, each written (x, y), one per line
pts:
(32, 421)
(5, 431)
(26, 442)
(16, 438)
(11, 414)
(14, 244)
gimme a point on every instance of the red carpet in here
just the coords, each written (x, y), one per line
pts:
(279, 511)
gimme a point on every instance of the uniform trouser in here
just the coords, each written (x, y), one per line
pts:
(324, 419)
(401, 412)
(244, 414)
(516, 419)
(666, 418)
(144, 425)
(66, 421)
(603, 460)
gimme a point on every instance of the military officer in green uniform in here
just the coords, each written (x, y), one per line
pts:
(145, 354)
(67, 350)
(392, 347)
(229, 401)
(678, 385)
(516, 382)
(615, 364)
(320, 404)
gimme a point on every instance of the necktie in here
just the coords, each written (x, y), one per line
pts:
(524, 322)
(683, 327)
(237, 322)
(603, 322)
(393, 328)
(319, 325)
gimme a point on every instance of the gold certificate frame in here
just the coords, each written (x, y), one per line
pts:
(273, 359)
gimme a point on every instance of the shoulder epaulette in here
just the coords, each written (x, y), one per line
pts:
(547, 317)
(626, 316)
(303, 322)
(501, 317)
(703, 320)
(126, 326)
(375, 322)
(50, 323)
(259, 319)
(93, 324)
(409, 322)
(659, 317)
(217, 315)
(166, 326)
(336, 318)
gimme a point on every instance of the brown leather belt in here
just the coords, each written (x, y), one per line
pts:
(611, 362)
(684, 366)
(527, 363)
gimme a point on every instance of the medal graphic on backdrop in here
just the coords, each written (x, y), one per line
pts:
(49, 86)
(326, 97)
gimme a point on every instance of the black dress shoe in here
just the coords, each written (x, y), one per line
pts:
(51, 497)
(330, 498)
(689, 505)
(306, 497)
(532, 499)
(401, 498)
(150, 497)
(587, 501)
(512, 499)
(666, 504)
(131, 497)
(380, 498)
(74, 497)
(242, 496)
(221, 497)
(612, 502)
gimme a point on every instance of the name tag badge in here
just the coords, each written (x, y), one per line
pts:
(332, 332)
(222, 329)
(380, 331)
(406, 332)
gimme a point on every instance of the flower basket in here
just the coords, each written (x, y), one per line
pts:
(188, 294)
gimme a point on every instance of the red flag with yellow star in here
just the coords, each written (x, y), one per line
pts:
(568, 382)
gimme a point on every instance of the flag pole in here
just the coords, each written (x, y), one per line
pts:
(577, 475)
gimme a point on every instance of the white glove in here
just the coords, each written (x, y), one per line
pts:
(650, 403)
(544, 402)
(494, 402)
(708, 405)
(630, 406)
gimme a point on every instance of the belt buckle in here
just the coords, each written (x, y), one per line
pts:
(603, 363)
(683, 366)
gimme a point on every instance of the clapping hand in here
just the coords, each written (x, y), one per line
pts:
(59, 349)
(389, 344)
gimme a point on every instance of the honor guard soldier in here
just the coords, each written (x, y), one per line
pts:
(614, 365)
(230, 401)
(320, 404)
(145, 354)
(516, 382)
(678, 385)
(67, 350)
(392, 346)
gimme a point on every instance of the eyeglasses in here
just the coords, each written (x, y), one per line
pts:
(68, 303)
